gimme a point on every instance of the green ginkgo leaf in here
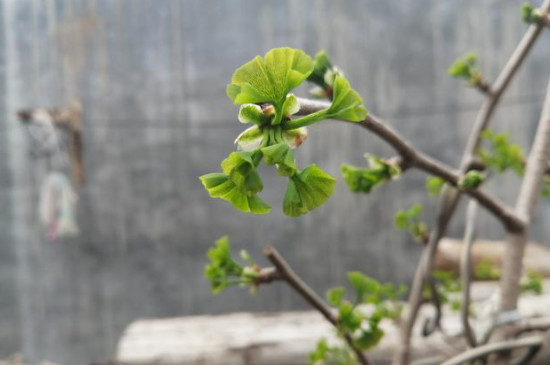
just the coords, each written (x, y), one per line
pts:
(270, 79)
(282, 155)
(347, 104)
(220, 185)
(242, 170)
(307, 190)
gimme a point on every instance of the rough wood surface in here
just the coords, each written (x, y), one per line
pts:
(287, 338)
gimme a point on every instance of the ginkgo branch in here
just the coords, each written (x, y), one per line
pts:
(309, 295)
(414, 158)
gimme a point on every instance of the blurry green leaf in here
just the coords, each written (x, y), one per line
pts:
(270, 79)
(464, 67)
(221, 266)
(335, 295)
(486, 270)
(349, 319)
(434, 185)
(367, 339)
(307, 190)
(502, 154)
(532, 283)
(409, 220)
(362, 284)
(530, 14)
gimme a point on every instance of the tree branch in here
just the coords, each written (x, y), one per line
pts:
(310, 296)
(533, 343)
(450, 197)
(466, 271)
(415, 158)
(528, 197)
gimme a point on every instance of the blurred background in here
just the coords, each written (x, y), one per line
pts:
(151, 76)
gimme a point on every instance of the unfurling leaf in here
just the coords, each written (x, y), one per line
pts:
(409, 220)
(464, 67)
(335, 295)
(307, 190)
(530, 14)
(221, 267)
(502, 155)
(270, 79)
(347, 104)
(281, 155)
(364, 180)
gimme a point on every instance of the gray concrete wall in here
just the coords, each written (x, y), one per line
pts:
(151, 76)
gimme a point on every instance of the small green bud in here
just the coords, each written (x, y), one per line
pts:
(471, 180)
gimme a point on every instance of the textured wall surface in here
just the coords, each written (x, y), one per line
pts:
(151, 76)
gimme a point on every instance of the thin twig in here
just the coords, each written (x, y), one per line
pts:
(466, 271)
(310, 296)
(532, 343)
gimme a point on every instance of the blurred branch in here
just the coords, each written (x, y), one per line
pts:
(532, 343)
(466, 271)
(310, 296)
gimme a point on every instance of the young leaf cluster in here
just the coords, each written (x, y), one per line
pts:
(465, 68)
(409, 220)
(263, 89)
(365, 329)
(223, 271)
(471, 180)
(323, 76)
(486, 270)
(326, 354)
(531, 15)
(360, 180)
(501, 154)
(532, 283)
